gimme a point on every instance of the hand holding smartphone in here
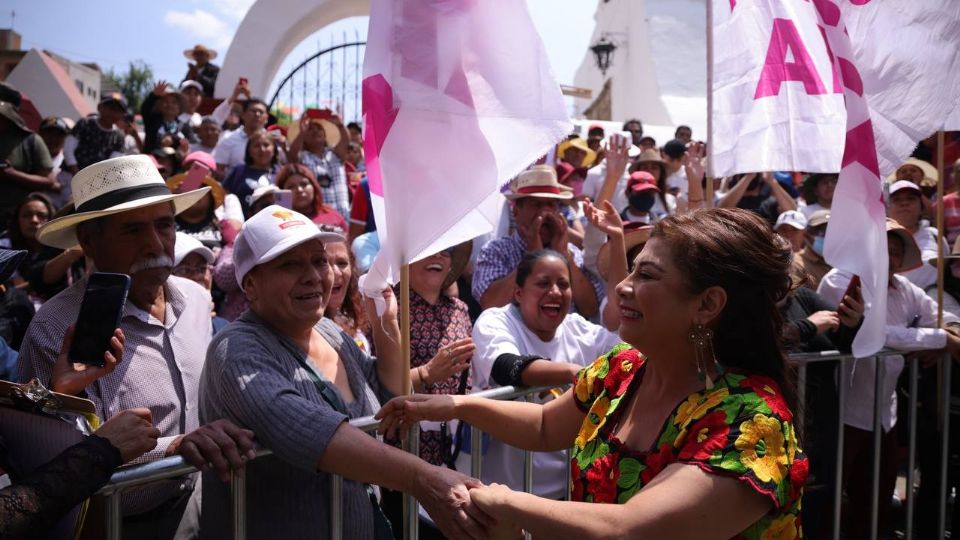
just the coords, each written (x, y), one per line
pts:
(284, 198)
(100, 313)
(318, 114)
(853, 290)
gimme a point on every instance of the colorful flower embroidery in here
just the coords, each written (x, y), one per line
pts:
(761, 448)
(742, 429)
(764, 387)
(707, 436)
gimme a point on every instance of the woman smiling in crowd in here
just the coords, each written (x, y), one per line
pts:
(686, 428)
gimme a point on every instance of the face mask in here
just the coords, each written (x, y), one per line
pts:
(643, 201)
(818, 245)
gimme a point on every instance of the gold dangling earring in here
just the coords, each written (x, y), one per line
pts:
(702, 339)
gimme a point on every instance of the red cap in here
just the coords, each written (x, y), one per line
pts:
(641, 181)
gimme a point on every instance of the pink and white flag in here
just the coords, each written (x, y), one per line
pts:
(458, 97)
(892, 66)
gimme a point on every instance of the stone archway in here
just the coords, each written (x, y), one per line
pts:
(269, 31)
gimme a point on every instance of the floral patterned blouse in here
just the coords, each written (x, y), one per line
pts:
(742, 428)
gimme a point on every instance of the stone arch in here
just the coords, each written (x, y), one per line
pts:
(270, 31)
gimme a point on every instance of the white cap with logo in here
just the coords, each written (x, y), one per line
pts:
(270, 233)
(792, 218)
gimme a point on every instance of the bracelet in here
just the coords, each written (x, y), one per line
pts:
(423, 382)
(694, 201)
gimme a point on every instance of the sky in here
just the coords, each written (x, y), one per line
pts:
(113, 33)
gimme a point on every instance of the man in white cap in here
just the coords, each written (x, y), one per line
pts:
(194, 261)
(295, 378)
(792, 225)
(536, 196)
(124, 222)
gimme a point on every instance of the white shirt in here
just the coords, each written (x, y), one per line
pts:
(911, 326)
(678, 180)
(594, 182)
(926, 275)
(231, 148)
(501, 330)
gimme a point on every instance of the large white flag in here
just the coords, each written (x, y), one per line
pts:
(892, 65)
(458, 97)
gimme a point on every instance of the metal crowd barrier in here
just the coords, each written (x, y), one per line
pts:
(175, 466)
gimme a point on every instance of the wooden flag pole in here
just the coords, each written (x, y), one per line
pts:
(409, 444)
(708, 194)
(940, 365)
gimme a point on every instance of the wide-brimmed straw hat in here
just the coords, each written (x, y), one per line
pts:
(577, 142)
(634, 234)
(9, 111)
(331, 129)
(930, 174)
(216, 190)
(538, 181)
(199, 48)
(110, 187)
(912, 259)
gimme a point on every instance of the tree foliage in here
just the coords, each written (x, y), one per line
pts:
(135, 83)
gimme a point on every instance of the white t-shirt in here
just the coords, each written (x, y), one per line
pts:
(501, 330)
(231, 149)
(678, 180)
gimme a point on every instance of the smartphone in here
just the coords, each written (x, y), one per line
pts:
(194, 177)
(100, 312)
(284, 198)
(319, 114)
(243, 81)
(853, 289)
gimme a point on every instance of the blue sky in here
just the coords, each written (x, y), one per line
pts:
(114, 32)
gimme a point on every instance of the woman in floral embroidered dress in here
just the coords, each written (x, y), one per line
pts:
(691, 440)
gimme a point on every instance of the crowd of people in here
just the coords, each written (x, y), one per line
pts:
(610, 271)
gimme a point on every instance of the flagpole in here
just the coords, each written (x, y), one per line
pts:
(708, 196)
(411, 444)
(941, 413)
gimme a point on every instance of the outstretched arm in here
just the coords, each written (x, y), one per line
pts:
(530, 426)
(681, 502)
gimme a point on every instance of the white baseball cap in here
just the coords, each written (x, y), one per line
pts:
(186, 245)
(792, 218)
(270, 233)
(261, 191)
(904, 184)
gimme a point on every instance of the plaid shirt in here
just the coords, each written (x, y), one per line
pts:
(501, 256)
(335, 193)
(160, 369)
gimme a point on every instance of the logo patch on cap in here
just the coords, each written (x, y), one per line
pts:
(287, 219)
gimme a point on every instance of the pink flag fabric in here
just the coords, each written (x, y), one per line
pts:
(894, 65)
(458, 97)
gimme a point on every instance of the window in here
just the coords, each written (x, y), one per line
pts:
(79, 85)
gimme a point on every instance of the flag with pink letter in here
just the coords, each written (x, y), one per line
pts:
(458, 97)
(891, 66)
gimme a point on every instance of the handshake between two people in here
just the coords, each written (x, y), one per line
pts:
(460, 506)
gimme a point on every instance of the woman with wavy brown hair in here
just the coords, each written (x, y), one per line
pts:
(688, 427)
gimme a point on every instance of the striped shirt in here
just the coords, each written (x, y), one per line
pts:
(160, 369)
(258, 379)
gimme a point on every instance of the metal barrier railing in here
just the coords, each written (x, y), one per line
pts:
(171, 467)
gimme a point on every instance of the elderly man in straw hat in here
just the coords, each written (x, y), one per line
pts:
(536, 196)
(200, 69)
(124, 222)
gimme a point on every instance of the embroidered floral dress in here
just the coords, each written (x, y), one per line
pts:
(740, 428)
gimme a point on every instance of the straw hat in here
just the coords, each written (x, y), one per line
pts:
(911, 253)
(216, 189)
(538, 181)
(110, 187)
(189, 53)
(634, 234)
(930, 174)
(333, 132)
(577, 142)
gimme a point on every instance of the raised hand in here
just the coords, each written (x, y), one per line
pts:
(560, 238)
(402, 412)
(449, 360)
(618, 155)
(445, 494)
(531, 235)
(160, 88)
(694, 160)
(72, 378)
(607, 220)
